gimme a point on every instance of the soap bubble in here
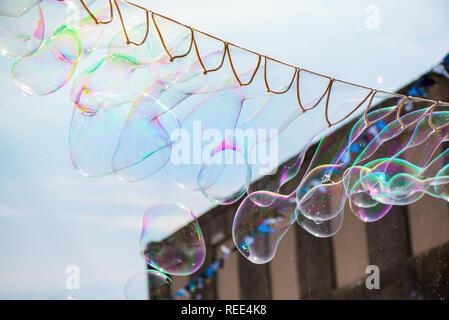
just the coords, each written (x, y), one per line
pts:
(191, 153)
(22, 34)
(51, 67)
(148, 285)
(171, 239)
(258, 230)
(94, 137)
(102, 85)
(226, 175)
(16, 8)
(90, 34)
(371, 214)
(287, 171)
(318, 197)
(440, 185)
(129, 103)
(321, 228)
(145, 142)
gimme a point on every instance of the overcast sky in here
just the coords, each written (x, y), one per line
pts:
(52, 217)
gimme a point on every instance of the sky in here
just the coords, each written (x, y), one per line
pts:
(51, 217)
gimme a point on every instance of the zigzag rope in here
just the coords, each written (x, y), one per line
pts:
(296, 75)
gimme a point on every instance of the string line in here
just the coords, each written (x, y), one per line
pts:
(296, 70)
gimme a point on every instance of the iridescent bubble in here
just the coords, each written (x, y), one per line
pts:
(321, 228)
(393, 182)
(110, 83)
(171, 239)
(22, 34)
(367, 189)
(370, 214)
(226, 175)
(440, 185)
(51, 67)
(318, 196)
(94, 137)
(257, 230)
(287, 171)
(148, 285)
(16, 8)
(90, 33)
(148, 52)
(103, 85)
(145, 142)
(395, 137)
(388, 162)
(128, 104)
(201, 133)
(61, 14)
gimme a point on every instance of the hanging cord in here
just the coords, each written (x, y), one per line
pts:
(403, 99)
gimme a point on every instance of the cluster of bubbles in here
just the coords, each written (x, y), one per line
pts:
(385, 160)
(134, 104)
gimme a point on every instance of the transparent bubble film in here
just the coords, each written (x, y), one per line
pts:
(171, 240)
(151, 95)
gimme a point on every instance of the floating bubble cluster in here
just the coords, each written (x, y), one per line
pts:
(385, 160)
(155, 95)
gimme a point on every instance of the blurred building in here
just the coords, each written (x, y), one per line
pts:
(409, 245)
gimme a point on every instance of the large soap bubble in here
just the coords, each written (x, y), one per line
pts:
(171, 239)
(51, 67)
(22, 27)
(257, 230)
